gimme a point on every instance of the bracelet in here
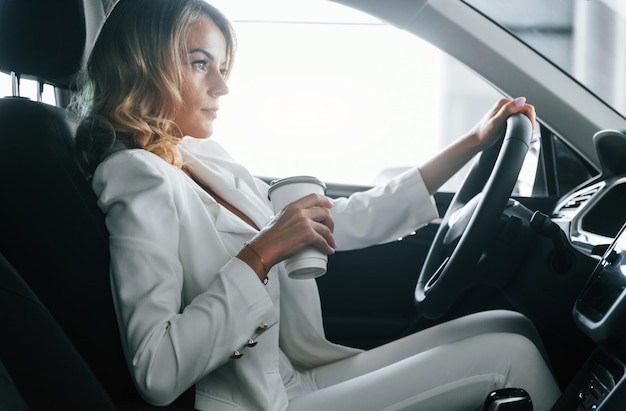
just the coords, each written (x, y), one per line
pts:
(258, 256)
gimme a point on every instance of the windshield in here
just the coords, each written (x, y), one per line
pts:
(585, 38)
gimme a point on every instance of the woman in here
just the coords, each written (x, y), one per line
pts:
(196, 254)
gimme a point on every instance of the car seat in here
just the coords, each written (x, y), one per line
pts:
(32, 343)
(51, 229)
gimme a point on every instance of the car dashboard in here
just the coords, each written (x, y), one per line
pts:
(593, 215)
(593, 218)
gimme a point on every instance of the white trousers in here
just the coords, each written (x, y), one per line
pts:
(448, 367)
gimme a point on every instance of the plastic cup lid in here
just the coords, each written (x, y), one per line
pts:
(295, 179)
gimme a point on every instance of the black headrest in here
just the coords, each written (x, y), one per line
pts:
(47, 40)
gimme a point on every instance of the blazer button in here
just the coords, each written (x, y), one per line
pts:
(237, 355)
(251, 343)
(262, 327)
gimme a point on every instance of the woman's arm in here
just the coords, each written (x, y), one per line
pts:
(443, 166)
(402, 205)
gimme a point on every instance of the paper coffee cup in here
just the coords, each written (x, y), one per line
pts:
(309, 262)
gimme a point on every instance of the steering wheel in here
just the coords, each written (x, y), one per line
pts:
(471, 221)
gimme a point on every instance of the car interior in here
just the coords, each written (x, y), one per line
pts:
(60, 346)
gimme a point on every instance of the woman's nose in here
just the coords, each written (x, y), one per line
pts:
(218, 86)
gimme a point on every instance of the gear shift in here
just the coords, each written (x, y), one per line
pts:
(508, 399)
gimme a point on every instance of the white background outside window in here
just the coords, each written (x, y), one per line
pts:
(325, 90)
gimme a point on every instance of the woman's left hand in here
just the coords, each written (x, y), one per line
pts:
(491, 126)
(440, 168)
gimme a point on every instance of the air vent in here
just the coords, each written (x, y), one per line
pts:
(580, 197)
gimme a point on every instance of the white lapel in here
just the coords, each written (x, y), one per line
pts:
(210, 164)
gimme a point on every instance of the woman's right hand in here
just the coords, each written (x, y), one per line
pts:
(305, 222)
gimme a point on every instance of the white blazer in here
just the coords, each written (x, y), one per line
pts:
(185, 304)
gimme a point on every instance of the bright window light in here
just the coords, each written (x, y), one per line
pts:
(28, 89)
(324, 90)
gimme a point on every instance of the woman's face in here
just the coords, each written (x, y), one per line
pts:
(203, 79)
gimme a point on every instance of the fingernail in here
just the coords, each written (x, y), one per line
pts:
(520, 101)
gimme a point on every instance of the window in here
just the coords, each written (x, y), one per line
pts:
(325, 90)
(28, 88)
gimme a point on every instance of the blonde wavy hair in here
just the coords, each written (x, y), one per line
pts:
(130, 91)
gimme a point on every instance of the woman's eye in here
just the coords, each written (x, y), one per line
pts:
(200, 64)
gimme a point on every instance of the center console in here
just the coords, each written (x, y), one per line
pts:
(599, 386)
(600, 313)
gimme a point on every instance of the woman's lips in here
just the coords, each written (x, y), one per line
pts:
(210, 112)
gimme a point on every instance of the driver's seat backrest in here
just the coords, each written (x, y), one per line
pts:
(31, 345)
(53, 233)
(51, 229)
